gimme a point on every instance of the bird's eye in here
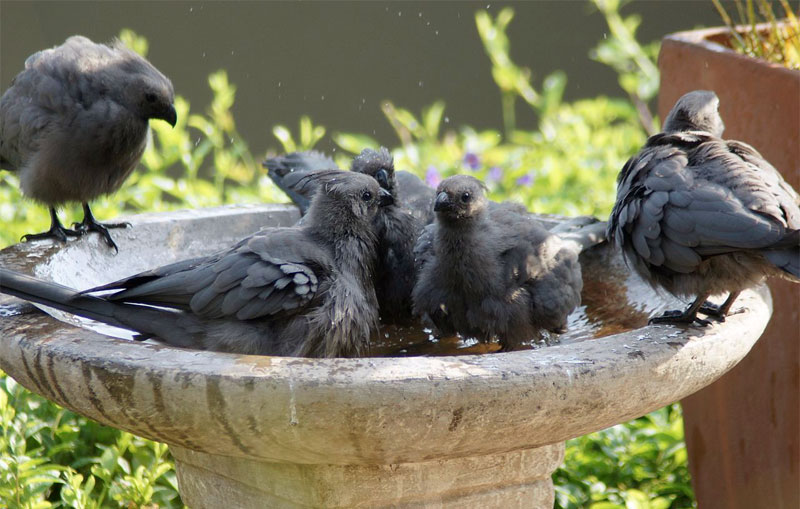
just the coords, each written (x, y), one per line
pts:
(466, 197)
(367, 196)
(150, 97)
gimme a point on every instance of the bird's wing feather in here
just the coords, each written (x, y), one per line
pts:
(273, 272)
(676, 206)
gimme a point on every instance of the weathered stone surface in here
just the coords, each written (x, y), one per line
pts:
(515, 479)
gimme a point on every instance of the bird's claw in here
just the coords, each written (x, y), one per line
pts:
(102, 228)
(711, 309)
(679, 317)
(57, 232)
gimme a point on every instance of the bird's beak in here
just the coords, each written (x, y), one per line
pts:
(385, 198)
(170, 116)
(442, 202)
(383, 178)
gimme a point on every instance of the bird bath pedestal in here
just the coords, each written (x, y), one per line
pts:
(449, 431)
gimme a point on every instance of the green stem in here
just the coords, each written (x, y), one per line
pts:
(509, 113)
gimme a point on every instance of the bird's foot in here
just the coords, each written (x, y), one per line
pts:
(718, 312)
(679, 317)
(56, 232)
(91, 225)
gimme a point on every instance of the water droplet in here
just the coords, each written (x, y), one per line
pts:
(437, 32)
(399, 13)
(420, 84)
(204, 54)
(446, 120)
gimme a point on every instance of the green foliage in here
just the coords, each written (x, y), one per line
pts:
(514, 81)
(309, 136)
(638, 465)
(635, 63)
(51, 457)
(778, 43)
(567, 165)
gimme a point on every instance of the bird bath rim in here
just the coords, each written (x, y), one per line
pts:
(381, 410)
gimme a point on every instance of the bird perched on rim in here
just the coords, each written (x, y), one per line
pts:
(73, 125)
(494, 272)
(397, 226)
(699, 215)
(301, 291)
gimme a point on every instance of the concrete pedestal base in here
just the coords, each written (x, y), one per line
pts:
(508, 480)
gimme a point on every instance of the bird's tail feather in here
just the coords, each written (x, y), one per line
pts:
(785, 254)
(298, 199)
(144, 320)
(580, 235)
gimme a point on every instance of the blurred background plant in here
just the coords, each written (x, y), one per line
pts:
(51, 457)
(779, 42)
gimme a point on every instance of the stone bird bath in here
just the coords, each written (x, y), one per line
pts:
(433, 431)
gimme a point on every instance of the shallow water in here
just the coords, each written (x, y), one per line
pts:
(607, 308)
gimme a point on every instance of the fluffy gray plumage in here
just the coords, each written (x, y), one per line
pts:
(492, 272)
(396, 226)
(74, 125)
(699, 215)
(300, 291)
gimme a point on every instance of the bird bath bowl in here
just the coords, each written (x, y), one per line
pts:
(428, 431)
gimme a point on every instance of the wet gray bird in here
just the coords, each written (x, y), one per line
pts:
(699, 215)
(74, 125)
(493, 272)
(396, 226)
(288, 171)
(300, 291)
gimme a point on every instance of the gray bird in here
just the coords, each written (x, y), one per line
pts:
(288, 172)
(397, 226)
(74, 125)
(299, 291)
(492, 272)
(700, 216)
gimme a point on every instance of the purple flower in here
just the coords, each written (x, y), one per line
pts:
(495, 174)
(525, 180)
(472, 161)
(432, 176)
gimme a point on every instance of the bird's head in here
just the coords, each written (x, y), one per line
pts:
(147, 92)
(460, 197)
(695, 111)
(346, 198)
(379, 165)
